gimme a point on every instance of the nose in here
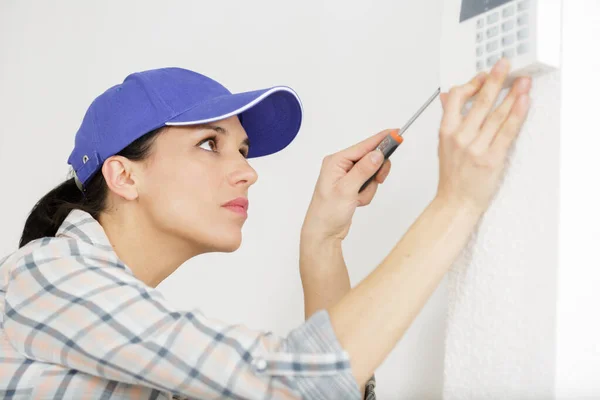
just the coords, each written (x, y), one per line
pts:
(243, 174)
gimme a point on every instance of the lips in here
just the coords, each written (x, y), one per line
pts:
(239, 205)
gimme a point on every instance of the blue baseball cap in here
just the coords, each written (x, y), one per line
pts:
(151, 99)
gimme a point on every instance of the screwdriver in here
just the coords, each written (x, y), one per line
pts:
(391, 142)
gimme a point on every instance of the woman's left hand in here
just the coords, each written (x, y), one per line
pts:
(336, 193)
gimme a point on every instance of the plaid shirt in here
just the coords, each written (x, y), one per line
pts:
(75, 323)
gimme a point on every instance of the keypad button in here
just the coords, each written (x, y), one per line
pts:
(479, 51)
(508, 53)
(493, 18)
(492, 60)
(479, 37)
(480, 23)
(507, 26)
(523, 48)
(492, 32)
(508, 12)
(523, 20)
(479, 66)
(523, 5)
(508, 40)
(492, 46)
(523, 34)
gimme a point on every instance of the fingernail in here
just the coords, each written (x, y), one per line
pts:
(376, 157)
(524, 84)
(502, 65)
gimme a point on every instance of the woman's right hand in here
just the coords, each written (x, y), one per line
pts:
(473, 147)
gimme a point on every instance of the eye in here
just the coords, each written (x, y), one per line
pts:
(210, 142)
(244, 152)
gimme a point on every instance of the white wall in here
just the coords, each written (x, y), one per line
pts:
(523, 298)
(578, 275)
(500, 341)
(359, 67)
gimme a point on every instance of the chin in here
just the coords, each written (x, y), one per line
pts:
(231, 246)
(224, 242)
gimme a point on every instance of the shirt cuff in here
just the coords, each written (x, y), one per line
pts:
(316, 335)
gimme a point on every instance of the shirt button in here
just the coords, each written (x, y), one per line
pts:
(261, 364)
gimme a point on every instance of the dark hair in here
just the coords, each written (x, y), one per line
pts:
(51, 210)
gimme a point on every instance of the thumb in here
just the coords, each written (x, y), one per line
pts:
(363, 170)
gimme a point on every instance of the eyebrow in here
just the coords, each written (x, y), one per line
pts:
(223, 131)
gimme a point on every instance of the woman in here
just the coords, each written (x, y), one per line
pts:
(161, 175)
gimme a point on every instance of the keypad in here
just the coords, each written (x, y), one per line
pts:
(508, 53)
(493, 18)
(492, 46)
(492, 60)
(523, 5)
(508, 26)
(508, 41)
(523, 48)
(508, 12)
(504, 32)
(523, 34)
(492, 32)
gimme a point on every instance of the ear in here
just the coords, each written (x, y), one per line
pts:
(118, 173)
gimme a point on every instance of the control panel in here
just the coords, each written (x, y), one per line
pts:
(477, 33)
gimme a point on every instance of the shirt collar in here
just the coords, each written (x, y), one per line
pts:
(81, 225)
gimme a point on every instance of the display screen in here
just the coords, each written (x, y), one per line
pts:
(472, 8)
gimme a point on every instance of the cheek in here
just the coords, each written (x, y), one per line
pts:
(184, 189)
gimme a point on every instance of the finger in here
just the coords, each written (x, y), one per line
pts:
(444, 100)
(366, 196)
(383, 172)
(361, 171)
(486, 98)
(511, 127)
(455, 101)
(499, 116)
(359, 150)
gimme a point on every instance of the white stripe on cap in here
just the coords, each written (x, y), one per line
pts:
(242, 109)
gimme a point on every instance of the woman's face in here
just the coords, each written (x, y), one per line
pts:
(195, 184)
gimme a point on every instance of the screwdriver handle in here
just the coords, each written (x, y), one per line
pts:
(387, 146)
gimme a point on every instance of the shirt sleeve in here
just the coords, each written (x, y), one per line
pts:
(90, 314)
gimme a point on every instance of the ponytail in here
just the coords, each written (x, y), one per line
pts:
(51, 210)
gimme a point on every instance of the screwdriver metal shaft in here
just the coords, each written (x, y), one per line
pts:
(391, 142)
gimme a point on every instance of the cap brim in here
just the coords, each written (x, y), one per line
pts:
(271, 117)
